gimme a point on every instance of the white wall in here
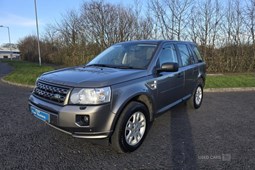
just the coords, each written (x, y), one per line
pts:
(8, 55)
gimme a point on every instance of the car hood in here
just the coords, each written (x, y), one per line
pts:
(91, 76)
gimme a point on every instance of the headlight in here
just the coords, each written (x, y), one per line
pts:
(90, 95)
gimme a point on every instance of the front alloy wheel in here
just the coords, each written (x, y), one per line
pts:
(131, 128)
(135, 128)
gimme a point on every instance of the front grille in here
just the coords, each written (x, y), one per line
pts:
(50, 92)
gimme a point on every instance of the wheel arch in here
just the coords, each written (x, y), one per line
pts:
(142, 98)
(202, 78)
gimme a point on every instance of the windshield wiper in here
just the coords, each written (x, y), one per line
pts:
(124, 67)
(112, 66)
(97, 65)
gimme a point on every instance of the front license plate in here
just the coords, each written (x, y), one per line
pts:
(40, 114)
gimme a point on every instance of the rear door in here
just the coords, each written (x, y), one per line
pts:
(189, 67)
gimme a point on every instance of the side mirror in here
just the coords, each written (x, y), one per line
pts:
(168, 67)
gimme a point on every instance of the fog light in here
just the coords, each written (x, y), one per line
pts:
(85, 119)
(82, 120)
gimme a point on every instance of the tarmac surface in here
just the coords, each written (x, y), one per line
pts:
(219, 135)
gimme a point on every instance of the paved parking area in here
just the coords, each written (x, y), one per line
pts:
(220, 135)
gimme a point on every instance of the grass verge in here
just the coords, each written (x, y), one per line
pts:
(230, 80)
(25, 72)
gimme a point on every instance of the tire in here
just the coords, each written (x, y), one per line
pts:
(131, 128)
(197, 97)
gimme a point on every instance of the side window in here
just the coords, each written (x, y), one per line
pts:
(186, 58)
(168, 54)
(196, 52)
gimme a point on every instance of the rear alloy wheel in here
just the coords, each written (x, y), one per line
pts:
(131, 128)
(198, 96)
(196, 100)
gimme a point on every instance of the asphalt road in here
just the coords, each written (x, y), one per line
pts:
(220, 135)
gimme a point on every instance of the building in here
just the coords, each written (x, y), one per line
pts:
(6, 53)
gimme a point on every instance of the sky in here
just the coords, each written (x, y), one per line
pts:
(19, 16)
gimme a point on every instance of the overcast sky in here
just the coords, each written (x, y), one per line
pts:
(19, 15)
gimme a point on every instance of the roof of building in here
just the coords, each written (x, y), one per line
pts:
(4, 49)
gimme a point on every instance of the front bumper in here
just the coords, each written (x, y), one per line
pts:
(64, 118)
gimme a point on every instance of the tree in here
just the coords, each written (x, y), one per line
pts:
(28, 48)
(250, 25)
(172, 17)
(224, 31)
(106, 24)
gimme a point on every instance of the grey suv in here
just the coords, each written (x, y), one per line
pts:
(118, 94)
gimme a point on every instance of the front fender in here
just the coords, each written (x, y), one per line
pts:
(123, 94)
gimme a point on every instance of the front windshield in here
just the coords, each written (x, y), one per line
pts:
(130, 55)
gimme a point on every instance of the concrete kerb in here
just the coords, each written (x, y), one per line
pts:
(209, 90)
(16, 84)
(236, 89)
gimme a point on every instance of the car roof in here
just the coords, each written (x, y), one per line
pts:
(154, 41)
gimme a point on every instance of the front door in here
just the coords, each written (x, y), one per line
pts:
(169, 84)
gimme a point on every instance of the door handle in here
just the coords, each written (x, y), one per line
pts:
(179, 75)
(195, 70)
